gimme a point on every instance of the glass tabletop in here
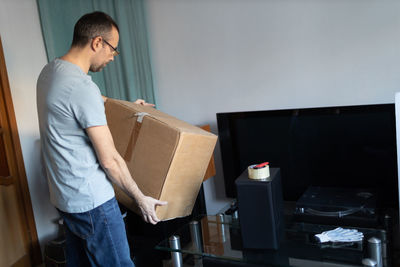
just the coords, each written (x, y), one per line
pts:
(219, 237)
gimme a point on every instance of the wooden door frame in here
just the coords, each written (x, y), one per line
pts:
(21, 180)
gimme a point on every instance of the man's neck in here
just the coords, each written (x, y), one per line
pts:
(78, 57)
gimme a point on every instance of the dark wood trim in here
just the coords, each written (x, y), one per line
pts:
(21, 182)
(6, 180)
(23, 262)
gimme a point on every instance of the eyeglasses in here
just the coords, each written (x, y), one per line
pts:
(115, 52)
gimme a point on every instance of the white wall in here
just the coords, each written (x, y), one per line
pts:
(214, 56)
(25, 57)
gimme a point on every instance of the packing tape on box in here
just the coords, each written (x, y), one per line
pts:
(141, 115)
(257, 171)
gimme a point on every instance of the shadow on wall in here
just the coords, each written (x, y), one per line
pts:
(46, 216)
(218, 180)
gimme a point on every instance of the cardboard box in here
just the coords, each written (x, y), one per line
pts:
(210, 172)
(167, 157)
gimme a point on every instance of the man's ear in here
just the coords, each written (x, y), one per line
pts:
(97, 43)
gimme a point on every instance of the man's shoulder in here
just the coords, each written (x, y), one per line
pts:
(64, 72)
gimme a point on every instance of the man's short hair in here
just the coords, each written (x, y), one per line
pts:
(92, 25)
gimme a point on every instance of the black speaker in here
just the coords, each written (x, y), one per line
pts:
(260, 204)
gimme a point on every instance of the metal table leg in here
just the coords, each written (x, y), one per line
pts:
(176, 257)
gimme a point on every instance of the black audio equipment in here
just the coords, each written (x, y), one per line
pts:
(338, 206)
(260, 205)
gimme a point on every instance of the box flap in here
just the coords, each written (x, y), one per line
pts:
(121, 122)
(185, 175)
(161, 116)
(152, 155)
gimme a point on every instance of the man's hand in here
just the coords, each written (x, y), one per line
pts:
(142, 102)
(147, 207)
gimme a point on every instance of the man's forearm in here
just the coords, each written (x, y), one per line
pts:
(118, 172)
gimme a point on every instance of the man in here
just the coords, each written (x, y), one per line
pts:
(79, 155)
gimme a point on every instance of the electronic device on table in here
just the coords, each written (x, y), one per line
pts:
(338, 206)
(346, 148)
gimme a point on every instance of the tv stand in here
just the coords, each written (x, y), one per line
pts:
(218, 243)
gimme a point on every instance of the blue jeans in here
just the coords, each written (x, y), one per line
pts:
(97, 237)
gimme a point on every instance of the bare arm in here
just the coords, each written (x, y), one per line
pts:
(117, 170)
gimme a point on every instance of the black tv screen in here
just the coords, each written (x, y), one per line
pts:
(347, 147)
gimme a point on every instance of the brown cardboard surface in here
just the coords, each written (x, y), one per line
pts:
(210, 172)
(167, 157)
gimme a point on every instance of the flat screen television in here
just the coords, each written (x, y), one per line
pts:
(346, 147)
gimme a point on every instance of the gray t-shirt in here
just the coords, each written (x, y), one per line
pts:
(68, 102)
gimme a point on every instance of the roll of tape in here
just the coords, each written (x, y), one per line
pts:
(258, 173)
